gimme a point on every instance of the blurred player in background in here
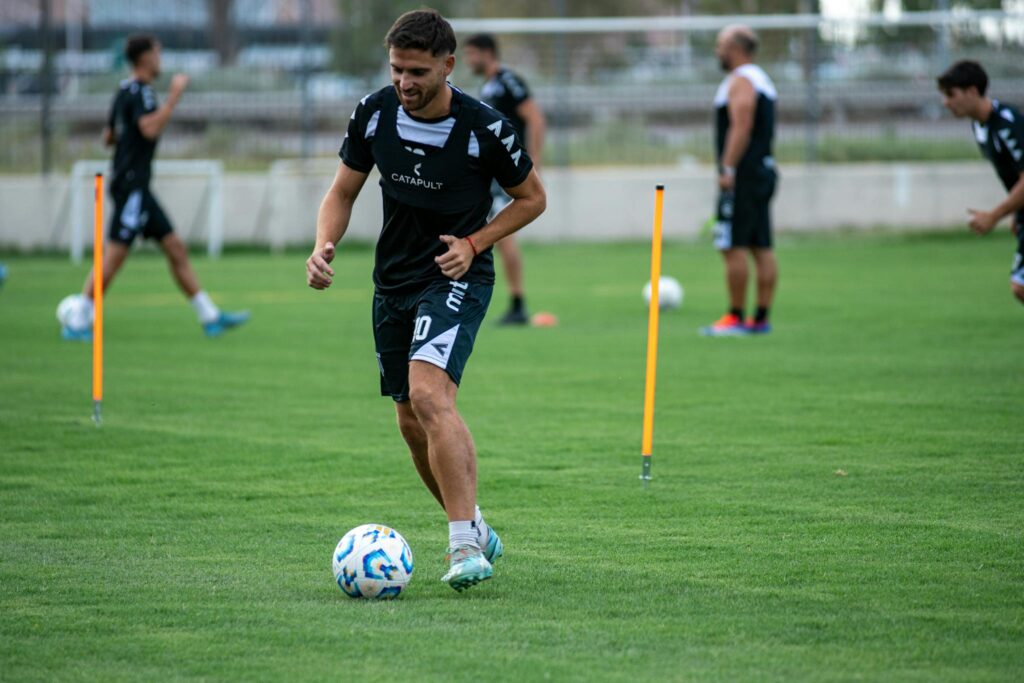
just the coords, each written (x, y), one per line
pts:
(999, 131)
(507, 92)
(745, 128)
(133, 129)
(437, 150)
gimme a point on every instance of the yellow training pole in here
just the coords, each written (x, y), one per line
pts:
(97, 297)
(652, 336)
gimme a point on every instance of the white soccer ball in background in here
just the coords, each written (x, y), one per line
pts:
(670, 293)
(74, 312)
(372, 561)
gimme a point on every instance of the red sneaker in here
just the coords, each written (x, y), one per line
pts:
(728, 325)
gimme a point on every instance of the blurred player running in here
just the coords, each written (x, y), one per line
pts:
(745, 127)
(133, 128)
(999, 131)
(437, 150)
(507, 92)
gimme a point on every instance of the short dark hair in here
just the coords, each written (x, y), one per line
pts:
(138, 45)
(746, 42)
(963, 75)
(422, 29)
(483, 41)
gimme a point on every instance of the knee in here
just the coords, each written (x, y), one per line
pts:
(430, 404)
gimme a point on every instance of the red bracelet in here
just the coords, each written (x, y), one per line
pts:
(472, 246)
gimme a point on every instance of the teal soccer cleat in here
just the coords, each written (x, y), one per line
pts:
(495, 548)
(225, 322)
(468, 567)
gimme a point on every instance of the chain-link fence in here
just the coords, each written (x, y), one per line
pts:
(278, 78)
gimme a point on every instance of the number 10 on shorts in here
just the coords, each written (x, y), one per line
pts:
(421, 328)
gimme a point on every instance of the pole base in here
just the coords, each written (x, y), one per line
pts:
(97, 417)
(645, 470)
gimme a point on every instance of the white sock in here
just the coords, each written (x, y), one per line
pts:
(483, 532)
(205, 308)
(462, 533)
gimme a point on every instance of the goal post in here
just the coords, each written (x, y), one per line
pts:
(205, 218)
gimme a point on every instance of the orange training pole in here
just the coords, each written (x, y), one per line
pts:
(652, 336)
(97, 297)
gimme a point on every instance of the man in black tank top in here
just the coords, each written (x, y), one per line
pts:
(507, 92)
(745, 128)
(999, 131)
(437, 150)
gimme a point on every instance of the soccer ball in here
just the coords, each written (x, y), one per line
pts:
(72, 312)
(670, 293)
(372, 561)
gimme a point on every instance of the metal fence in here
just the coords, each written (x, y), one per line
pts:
(278, 79)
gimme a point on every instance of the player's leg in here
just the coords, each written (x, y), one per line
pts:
(181, 269)
(452, 456)
(114, 255)
(451, 451)
(512, 262)
(737, 275)
(393, 323)
(767, 279)
(416, 438)
(731, 241)
(124, 226)
(158, 227)
(762, 188)
(448, 316)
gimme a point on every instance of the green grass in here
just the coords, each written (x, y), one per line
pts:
(190, 537)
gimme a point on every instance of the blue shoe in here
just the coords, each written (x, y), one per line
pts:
(3, 274)
(76, 335)
(468, 567)
(754, 327)
(495, 548)
(225, 322)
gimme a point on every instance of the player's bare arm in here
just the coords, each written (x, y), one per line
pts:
(528, 202)
(742, 105)
(108, 137)
(331, 224)
(536, 128)
(983, 222)
(152, 125)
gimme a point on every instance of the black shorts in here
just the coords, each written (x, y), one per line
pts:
(744, 216)
(137, 212)
(436, 325)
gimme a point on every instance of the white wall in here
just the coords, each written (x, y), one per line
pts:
(279, 208)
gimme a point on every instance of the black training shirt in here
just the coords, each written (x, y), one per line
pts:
(435, 180)
(505, 92)
(133, 152)
(1000, 140)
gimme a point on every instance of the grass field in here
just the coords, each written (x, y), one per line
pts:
(190, 537)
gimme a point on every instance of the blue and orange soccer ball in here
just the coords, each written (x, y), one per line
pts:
(372, 561)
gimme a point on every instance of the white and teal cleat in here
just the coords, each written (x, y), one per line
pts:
(495, 548)
(468, 567)
(225, 321)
